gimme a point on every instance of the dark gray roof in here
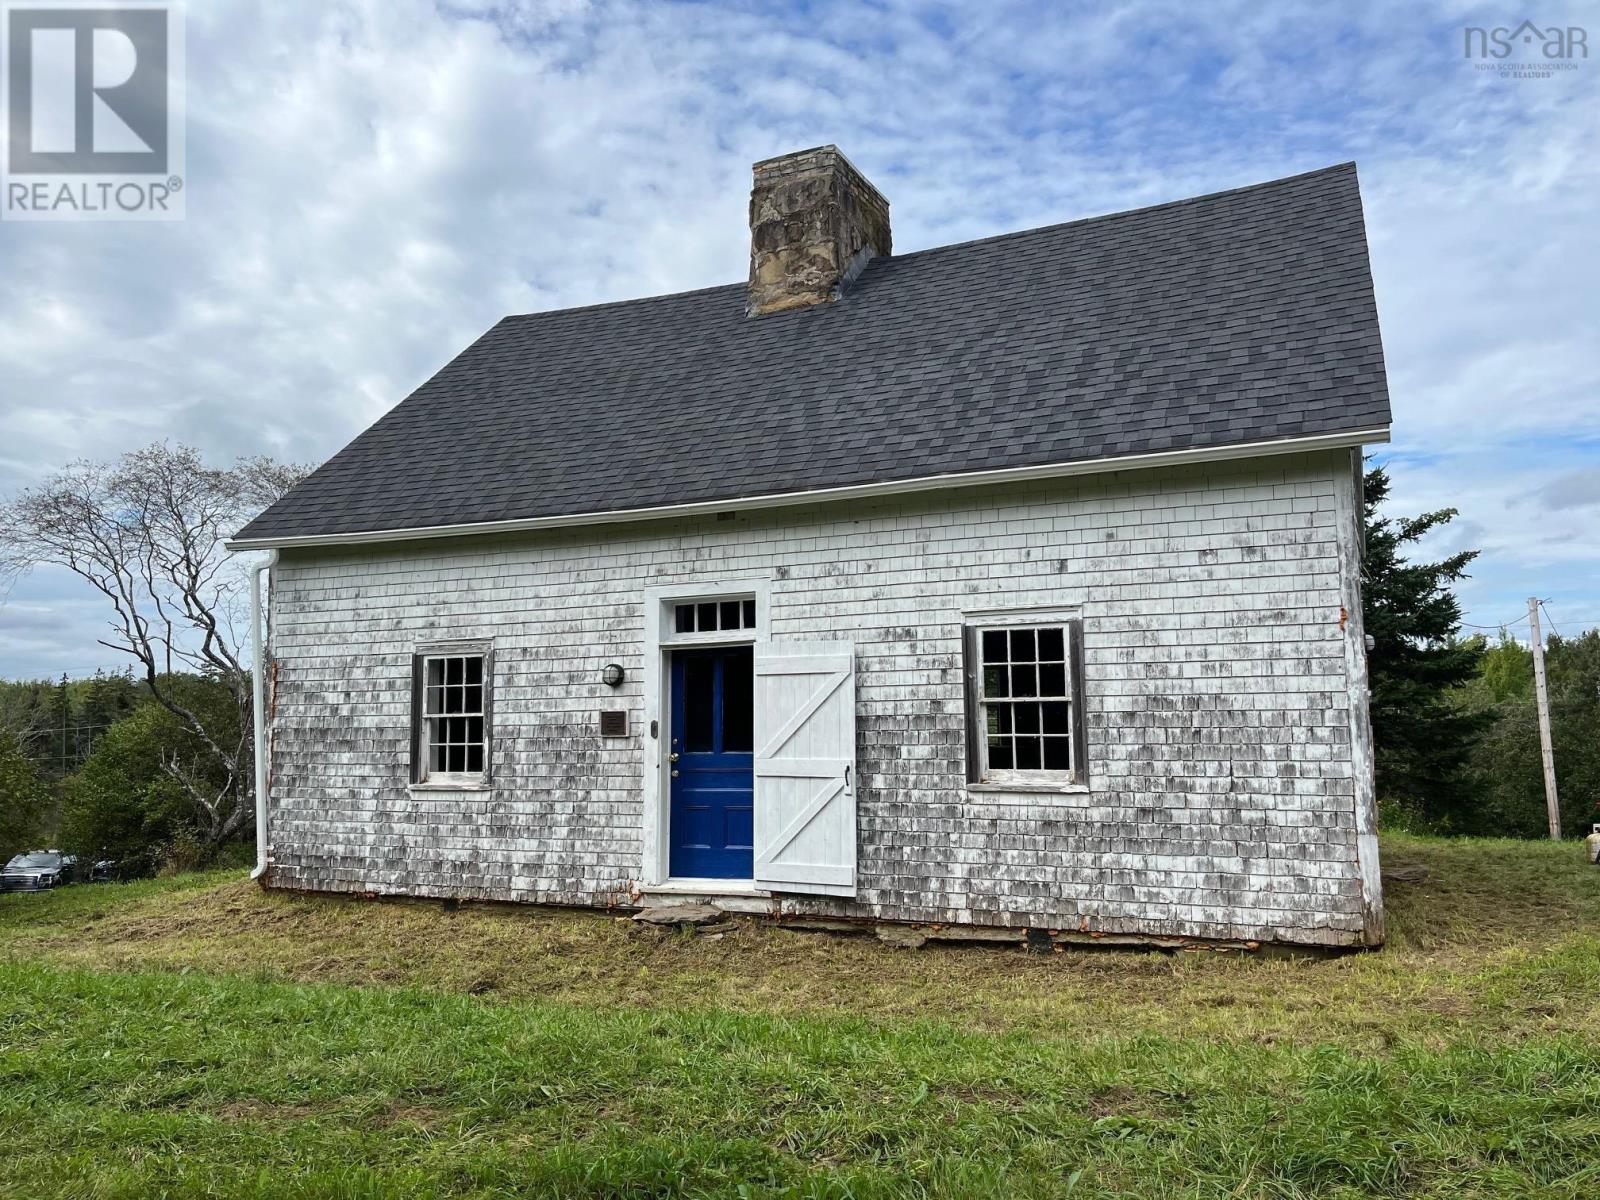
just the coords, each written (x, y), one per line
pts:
(1243, 316)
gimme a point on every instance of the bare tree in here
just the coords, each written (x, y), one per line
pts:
(146, 531)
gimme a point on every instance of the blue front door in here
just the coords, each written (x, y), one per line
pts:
(713, 790)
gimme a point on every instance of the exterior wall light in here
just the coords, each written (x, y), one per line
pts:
(612, 674)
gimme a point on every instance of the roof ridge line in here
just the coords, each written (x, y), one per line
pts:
(1132, 212)
(551, 312)
(979, 241)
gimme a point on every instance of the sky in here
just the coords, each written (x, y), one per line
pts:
(373, 183)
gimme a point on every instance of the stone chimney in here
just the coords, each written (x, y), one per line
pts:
(815, 221)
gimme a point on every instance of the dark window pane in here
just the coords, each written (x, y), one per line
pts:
(456, 758)
(994, 681)
(1057, 754)
(749, 614)
(1052, 647)
(730, 614)
(1022, 647)
(474, 698)
(685, 618)
(452, 669)
(1000, 753)
(475, 730)
(738, 702)
(1002, 713)
(1027, 754)
(453, 699)
(994, 646)
(1024, 680)
(991, 720)
(1052, 679)
(475, 670)
(475, 759)
(706, 618)
(1057, 717)
(1027, 718)
(697, 688)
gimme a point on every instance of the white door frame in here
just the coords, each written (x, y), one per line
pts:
(660, 637)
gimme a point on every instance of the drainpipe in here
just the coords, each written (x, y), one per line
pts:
(258, 691)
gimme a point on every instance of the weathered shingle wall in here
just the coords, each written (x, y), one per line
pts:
(1222, 799)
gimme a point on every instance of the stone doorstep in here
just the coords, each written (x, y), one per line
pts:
(751, 905)
(679, 915)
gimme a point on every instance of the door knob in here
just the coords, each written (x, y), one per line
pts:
(673, 757)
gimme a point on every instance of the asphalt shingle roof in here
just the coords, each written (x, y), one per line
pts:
(1243, 316)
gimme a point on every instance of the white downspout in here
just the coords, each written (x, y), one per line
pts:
(258, 691)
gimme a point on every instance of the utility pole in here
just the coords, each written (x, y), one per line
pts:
(1551, 801)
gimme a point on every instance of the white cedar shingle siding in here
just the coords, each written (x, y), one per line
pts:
(1222, 799)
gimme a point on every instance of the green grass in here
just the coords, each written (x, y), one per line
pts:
(199, 1037)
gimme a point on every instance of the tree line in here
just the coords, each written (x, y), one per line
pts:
(1454, 721)
(153, 766)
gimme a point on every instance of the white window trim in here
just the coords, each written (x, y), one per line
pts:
(661, 604)
(660, 637)
(1022, 782)
(715, 637)
(452, 781)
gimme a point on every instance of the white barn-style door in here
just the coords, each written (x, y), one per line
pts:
(805, 786)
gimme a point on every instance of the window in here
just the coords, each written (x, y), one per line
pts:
(714, 616)
(1025, 702)
(451, 716)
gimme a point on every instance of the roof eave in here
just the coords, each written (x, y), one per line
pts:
(861, 491)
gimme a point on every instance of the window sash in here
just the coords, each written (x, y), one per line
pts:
(1025, 702)
(714, 614)
(451, 716)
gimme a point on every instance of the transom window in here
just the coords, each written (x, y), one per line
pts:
(714, 616)
(1027, 723)
(452, 733)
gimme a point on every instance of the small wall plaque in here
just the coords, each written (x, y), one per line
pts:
(614, 722)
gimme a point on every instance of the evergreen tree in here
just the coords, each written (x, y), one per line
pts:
(24, 801)
(106, 700)
(1422, 738)
(60, 731)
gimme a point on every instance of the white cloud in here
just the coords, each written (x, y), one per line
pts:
(375, 182)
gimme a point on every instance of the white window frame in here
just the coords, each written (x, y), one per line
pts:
(421, 734)
(661, 606)
(979, 773)
(739, 633)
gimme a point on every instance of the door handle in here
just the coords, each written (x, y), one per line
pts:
(673, 757)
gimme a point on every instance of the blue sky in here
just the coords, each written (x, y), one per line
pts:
(372, 184)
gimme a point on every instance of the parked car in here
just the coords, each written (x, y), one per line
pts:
(37, 870)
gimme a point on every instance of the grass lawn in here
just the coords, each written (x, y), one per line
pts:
(197, 1036)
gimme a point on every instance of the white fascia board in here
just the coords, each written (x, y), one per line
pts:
(859, 491)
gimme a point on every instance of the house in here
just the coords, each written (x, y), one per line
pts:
(1011, 583)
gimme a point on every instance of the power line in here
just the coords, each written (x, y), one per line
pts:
(1500, 625)
(1546, 607)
